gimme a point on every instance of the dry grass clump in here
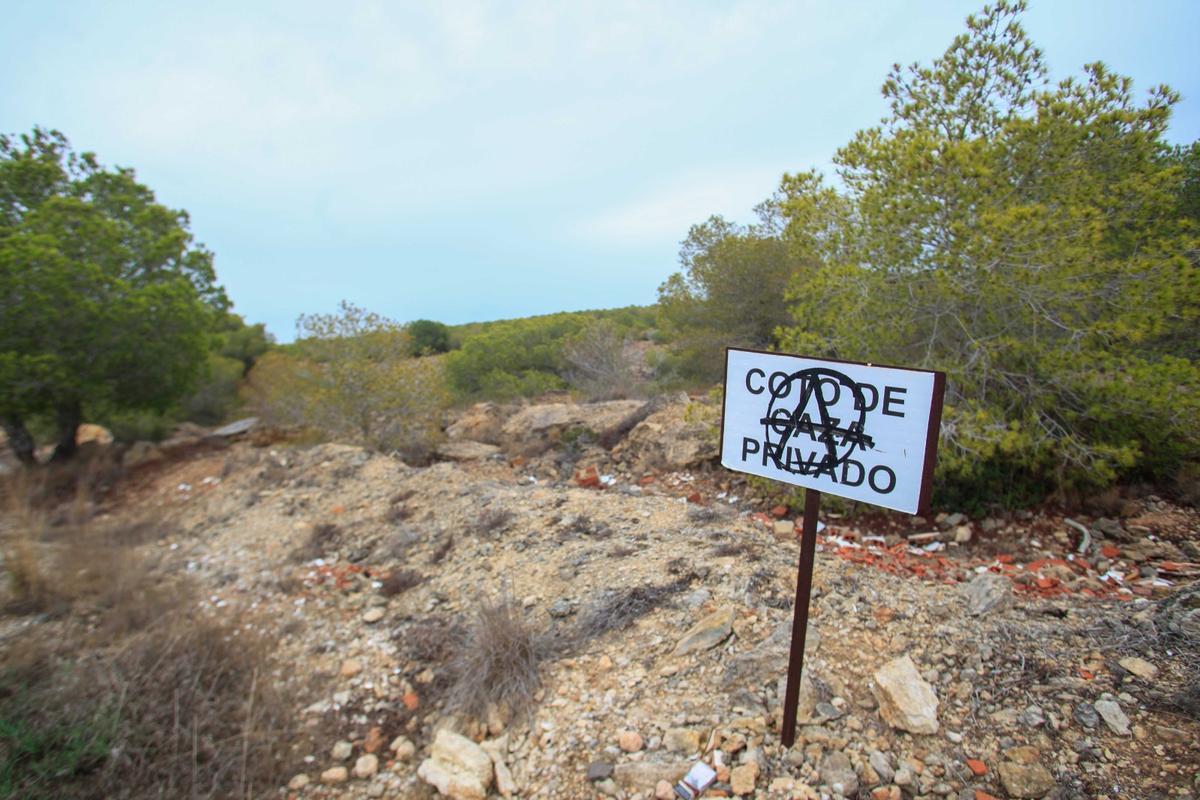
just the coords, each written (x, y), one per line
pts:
(737, 549)
(124, 687)
(400, 581)
(323, 538)
(616, 610)
(498, 660)
(492, 521)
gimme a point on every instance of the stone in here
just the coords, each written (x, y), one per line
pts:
(682, 740)
(1025, 780)
(905, 700)
(479, 423)
(141, 453)
(351, 667)
(784, 529)
(341, 751)
(987, 592)
(838, 772)
(882, 766)
(664, 791)
(629, 741)
(1110, 711)
(962, 534)
(645, 775)
(560, 609)
(236, 428)
(707, 633)
(496, 749)
(1022, 754)
(1139, 667)
(366, 766)
(743, 778)
(536, 428)
(298, 782)
(1085, 714)
(91, 433)
(457, 767)
(466, 450)
(599, 770)
(667, 440)
(373, 615)
(953, 520)
(1032, 717)
(335, 775)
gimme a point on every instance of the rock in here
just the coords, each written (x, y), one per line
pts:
(88, 433)
(882, 765)
(838, 772)
(607, 787)
(696, 598)
(599, 770)
(1179, 612)
(1025, 780)
(351, 667)
(707, 633)
(667, 440)
(298, 782)
(664, 791)
(560, 608)
(962, 534)
(366, 766)
(236, 428)
(905, 700)
(644, 775)
(1032, 717)
(141, 453)
(1085, 714)
(536, 428)
(496, 748)
(403, 747)
(335, 775)
(466, 450)
(373, 615)
(987, 592)
(1110, 711)
(1140, 667)
(1022, 754)
(481, 422)
(457, 767)
(629, 741)
(682, 740)
(341, 751)
(784, 529)
(952, 520)
(743, 778)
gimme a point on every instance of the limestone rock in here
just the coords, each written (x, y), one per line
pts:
(479, 423)
(838, 772)
(1140, 667)
(905, 700)
(629, 741)
(668, 440)
(744, 778)
(682, 740)
(987, 592)
(1110, 711)
(366, 766)
(466, 450)
(335, 775)
(645, 775)
(1025, 780)
(534, 429)
(707, 633)
(88, 432)
(457, 767)
(141, 453)
(236, 428)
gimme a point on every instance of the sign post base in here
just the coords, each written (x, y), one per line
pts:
(808, 552)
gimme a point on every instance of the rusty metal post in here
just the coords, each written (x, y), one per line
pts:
(808, 553)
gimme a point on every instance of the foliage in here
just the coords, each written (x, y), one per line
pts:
(349, 376)
(427, 337)
(513, 359)
(601, 364)
(106, 298)
(730, 292)
(1031, 241)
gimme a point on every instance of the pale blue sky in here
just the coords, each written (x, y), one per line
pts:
(467, 161)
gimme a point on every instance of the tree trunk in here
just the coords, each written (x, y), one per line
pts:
(69, 417)
(19, 440)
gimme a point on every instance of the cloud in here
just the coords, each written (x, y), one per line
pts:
(665, 213)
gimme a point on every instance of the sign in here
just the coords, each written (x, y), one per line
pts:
(859, 431)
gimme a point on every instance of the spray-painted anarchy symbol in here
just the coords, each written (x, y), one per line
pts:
(814, 421)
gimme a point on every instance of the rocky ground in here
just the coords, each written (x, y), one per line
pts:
(1025, 655)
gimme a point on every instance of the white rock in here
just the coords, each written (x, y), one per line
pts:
(403, 747)
(341, 751)
(905, 700)
(372, 615)
(366, 766)
(1113, 716)
(457, 767)
(1139, 666)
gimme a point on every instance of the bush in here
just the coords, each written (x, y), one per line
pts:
(599, 363)
(427, 337)
(351, 379)
(498, 662)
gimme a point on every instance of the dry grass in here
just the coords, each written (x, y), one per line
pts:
(498, 661)
(616, 610)
(493, 521)
(122, 687)
(323, 538)
(400, 581)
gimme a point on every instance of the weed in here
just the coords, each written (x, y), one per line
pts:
(737, 549)
(618, 609)
(498, 661)
(400, 581)
(321, 540)
(492, 521)
(442, 550)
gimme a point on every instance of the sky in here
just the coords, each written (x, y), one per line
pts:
(465, 161)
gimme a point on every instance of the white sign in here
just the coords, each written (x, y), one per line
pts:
(859, 431)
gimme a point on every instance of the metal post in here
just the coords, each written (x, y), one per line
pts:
(808, 552)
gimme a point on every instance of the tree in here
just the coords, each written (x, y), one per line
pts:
(428, 337)
(729, 292)
(1029, 240)
(106, 299)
